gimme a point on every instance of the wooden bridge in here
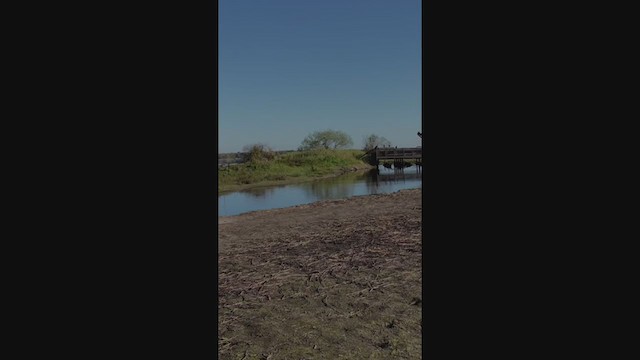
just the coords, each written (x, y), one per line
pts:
(397, 155)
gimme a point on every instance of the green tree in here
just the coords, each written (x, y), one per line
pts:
(328, 139)
(374, 140)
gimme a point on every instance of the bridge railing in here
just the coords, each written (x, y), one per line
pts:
(399, 153)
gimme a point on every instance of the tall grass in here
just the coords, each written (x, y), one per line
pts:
(294, 165)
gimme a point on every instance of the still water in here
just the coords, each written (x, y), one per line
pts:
(373, 182)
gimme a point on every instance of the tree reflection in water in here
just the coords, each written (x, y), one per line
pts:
(260, 193)
(342, 187)
(331, 189)
(375, 181)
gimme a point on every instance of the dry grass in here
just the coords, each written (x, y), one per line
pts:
(335, 279)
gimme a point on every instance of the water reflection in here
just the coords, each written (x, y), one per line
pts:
(331, 191)
(378, 177)
(377, 181)
(260, 193)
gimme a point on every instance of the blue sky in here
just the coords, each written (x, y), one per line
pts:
(290, 67)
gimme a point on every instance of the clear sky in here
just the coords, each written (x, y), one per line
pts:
(290, 67)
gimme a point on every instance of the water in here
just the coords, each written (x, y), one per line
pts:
(372, 182)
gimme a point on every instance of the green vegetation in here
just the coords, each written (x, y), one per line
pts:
(328, 139)
(264, 167)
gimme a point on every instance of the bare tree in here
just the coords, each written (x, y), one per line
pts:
(374, 140)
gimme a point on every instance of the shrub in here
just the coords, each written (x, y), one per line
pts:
(256, 153)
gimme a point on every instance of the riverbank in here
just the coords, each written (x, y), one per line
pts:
(293, 180)
(332, 279)
(290, 168)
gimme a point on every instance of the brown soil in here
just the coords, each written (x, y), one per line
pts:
(329, 280)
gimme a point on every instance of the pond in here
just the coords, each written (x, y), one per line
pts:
(354, 184)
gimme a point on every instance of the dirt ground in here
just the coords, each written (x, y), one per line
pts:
(338, 279)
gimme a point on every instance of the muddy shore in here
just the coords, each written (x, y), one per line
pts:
(329, 280)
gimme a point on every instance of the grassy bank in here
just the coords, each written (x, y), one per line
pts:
(289, 167)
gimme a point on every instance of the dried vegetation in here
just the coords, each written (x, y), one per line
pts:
(329, 280)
